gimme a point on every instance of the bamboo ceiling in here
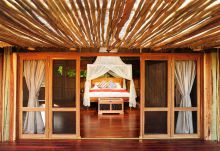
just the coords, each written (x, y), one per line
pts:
(154, 24)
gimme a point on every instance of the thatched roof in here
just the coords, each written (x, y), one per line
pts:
(155, 24)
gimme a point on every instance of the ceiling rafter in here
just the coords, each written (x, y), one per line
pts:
(155, 24)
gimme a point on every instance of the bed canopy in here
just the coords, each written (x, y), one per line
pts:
(114, 66)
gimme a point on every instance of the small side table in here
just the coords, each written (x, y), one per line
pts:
(110, 105)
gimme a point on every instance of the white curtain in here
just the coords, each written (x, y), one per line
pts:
(34, 73)
(116, 67)
(185, 72)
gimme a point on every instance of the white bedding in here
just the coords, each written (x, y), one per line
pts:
(109, 94)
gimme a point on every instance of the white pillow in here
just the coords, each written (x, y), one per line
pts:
(118, 86)
(111, 85)
(96, 86)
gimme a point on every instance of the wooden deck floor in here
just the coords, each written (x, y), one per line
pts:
(110, 125)
(111, 145)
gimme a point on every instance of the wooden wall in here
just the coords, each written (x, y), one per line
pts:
(211, 99)
(1, 69)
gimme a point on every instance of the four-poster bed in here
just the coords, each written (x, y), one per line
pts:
(117, 91)
(117, 68)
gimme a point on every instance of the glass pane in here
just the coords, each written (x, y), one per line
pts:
(34, 75)
(64, 122)
(64, 83)
(185, 122)
(33, 122)
(185, 82)
(155, 122)
(156, 84)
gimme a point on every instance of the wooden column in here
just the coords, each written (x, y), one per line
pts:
(218, 74)
(211, 97)
(207, 96)
(13, 85)
(8, 95)
(1, 69)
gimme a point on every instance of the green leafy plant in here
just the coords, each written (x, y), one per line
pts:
(60, 70)
(71, 73)
(83, 73)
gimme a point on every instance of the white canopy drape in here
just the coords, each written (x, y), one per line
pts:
(116, 67)
(185, 74)
(34, 73)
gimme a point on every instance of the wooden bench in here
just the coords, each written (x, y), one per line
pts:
(110, 105)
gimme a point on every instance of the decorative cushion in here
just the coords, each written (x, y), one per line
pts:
(112, 85)
(103, 84)
(118, 86)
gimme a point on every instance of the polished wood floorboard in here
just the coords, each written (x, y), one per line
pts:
(110, 145)
(110, 125)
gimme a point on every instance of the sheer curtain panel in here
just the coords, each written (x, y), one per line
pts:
(185, 72)
(34, 73)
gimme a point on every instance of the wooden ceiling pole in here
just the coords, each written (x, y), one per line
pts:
(146, 16)
(57, 32)
(212, 44)
(80, 26)
(91, 23)
(11, 29)
(75, 26)
(85, 20)
(136, 21)
(117, 17)
(151, 15)
(111, 9)
(176, 37)
(103, 14)
(211, 26)
(13, 23)
(110, 23)
(154, 25)
(60, 20)
(69, 27)
(14, 39)
(206, 35)
(98, 22)
(126, 14)
(95, 24)
(204, 41)
(170, 24)
(175, 33)
(57, 38)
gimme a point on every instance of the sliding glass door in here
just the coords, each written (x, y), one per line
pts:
(186, 104)
(156, 102)
(34, 103)
(49, 97)
(170, 98)
(63, 102)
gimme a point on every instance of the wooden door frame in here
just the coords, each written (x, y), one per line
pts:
(196, 58)
(143, 108)
(48, 55)
(170, 93)
(20, 107)
(136, 55)
(74, 109)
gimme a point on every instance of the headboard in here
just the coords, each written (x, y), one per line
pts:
(118, 80)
